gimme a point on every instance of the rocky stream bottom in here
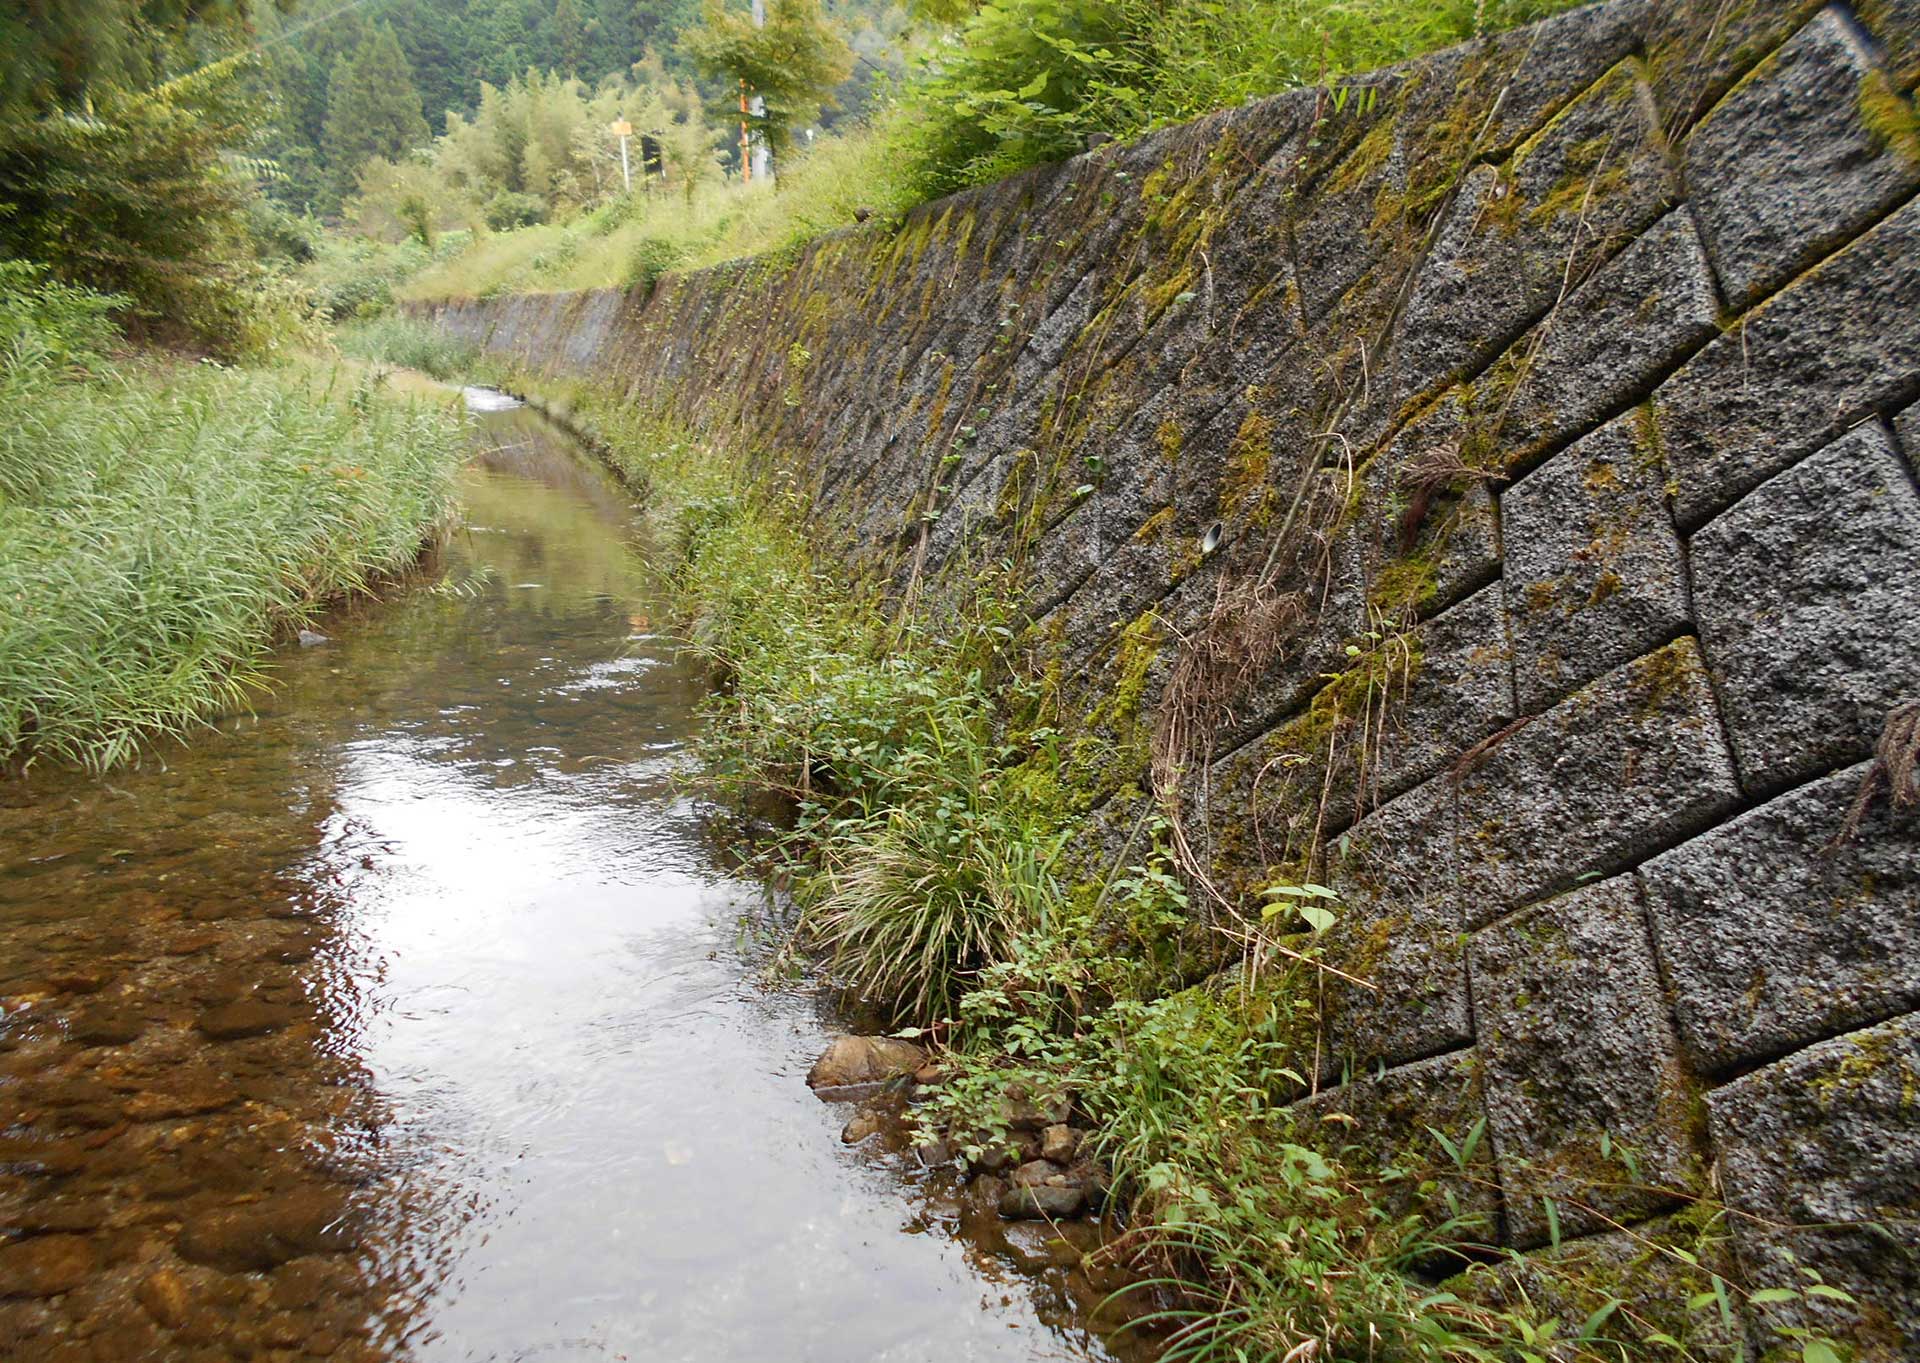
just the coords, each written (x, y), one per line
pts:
(414, 1016)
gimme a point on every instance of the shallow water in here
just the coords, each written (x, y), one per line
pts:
(409, 1017)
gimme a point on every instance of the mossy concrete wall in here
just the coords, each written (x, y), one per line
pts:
(1491, 487)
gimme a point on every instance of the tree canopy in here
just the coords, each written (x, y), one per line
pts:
(793, 62)
(372, 108)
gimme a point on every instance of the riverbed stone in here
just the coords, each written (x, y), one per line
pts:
(1587, 1103)
(1399, 931)
(1786, 168)
(1043, 1202)
(1594, 572)
(262, 1235)
(1820, 1162)
(1799, 588)
(1034, 1172)
(1801, 369)
(45, 1265)
(1058, 1142)
(853, 1063)
(1837, 946)
(1630, 763)
(864, 1123)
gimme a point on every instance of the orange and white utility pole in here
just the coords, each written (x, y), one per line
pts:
(623, 130)
(746, 137)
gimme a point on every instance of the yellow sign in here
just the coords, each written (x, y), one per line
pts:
(623, 129)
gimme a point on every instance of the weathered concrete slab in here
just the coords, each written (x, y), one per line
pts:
(1805, 592)
(1587, 1102)
(1594, 572)
(1837, 944)
(1382, 1122)
(1896, 26)
(1573, 194)
(1431, 519)
(1820, 1160)
(1695, 53)
(1908, 426)
(1621, 768)
(1399, 930)
(1786, 168)
(1600, 351)
(1460, 691)
(1796, 372)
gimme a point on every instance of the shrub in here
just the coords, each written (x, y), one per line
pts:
(47, 324)
(138, 196)
(510, 209)
(653, 257)
(1026, 81)
(393, 339)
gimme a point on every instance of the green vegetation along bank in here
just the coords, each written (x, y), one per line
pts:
(164, 523)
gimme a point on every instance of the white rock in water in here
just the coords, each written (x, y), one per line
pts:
(311, 639)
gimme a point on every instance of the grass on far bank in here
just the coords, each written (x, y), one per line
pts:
(635, 239)
(163, 523)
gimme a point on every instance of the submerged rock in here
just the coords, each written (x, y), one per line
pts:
(263, 1235)
(856, 1066)
(164, 1296)
(44, 1266)
(1049, 1201)
(245, 1018)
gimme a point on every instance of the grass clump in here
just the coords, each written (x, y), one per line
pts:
(162, 524)
(391, 338)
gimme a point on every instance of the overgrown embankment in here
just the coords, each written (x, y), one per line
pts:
(163, 524)
(1483, 490)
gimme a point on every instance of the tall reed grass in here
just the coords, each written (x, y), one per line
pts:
(162, 526)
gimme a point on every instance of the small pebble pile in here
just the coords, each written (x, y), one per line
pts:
(1037, 1171)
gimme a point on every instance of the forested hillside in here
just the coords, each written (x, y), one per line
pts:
(350, 79)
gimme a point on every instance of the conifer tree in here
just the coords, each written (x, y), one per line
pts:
(372, 109)
(570, 36)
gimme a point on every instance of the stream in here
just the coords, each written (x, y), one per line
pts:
(416, 1016)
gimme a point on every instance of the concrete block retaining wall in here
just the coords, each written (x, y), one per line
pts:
(1496, 480)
